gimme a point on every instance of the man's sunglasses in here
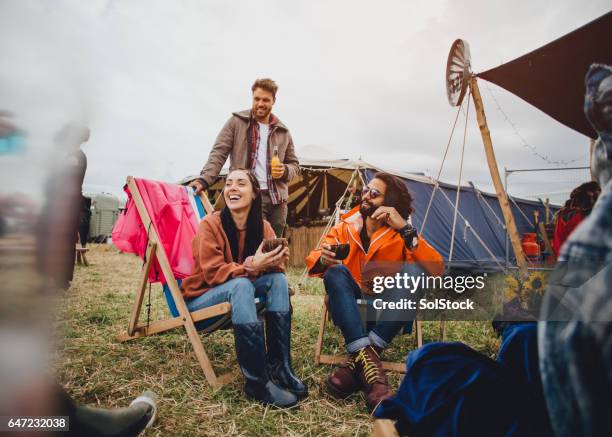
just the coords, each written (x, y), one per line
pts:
(374, 193)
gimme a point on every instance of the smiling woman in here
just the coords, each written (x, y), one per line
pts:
(231, 266)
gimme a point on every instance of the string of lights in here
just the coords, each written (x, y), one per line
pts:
(524, 143)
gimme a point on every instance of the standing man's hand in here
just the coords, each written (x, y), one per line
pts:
(278, 170)
(198, 186)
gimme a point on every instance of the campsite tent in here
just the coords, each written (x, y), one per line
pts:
(480, 237)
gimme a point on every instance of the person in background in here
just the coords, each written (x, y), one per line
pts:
(255, 139)
(84, 220)
(59, 231)
(576, 209)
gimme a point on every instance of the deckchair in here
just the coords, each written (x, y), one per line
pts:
(338, 359)
(210, 318)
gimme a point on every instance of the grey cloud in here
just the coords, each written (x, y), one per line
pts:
(156, 80)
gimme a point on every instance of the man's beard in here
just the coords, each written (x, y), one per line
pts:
(266, 112)
(366, 210)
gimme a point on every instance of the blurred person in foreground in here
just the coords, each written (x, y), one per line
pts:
(575, 336)
(255, 139)
(59, 225)
(379, 236)
(29, 297)
(231, 266)
(575, 209)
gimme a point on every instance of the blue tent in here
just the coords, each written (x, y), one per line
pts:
(480, 234)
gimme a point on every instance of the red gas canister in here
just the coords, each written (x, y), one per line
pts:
(530, 245)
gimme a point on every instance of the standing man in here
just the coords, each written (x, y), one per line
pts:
(251, 138)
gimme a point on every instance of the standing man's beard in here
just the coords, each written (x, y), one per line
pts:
(367, 210)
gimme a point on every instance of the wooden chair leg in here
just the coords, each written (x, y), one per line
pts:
(319, 344)
(442, 330)
(339, 359)
(144, 279)
(418, 330)
(198, 348)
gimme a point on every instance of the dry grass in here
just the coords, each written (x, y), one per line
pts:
(96, 369)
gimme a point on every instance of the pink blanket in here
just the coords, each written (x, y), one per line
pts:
(175, 218)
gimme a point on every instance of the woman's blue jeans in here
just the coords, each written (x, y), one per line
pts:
(241, 294)
(343, 293)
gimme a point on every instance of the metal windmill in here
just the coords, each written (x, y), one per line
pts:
(459, 81)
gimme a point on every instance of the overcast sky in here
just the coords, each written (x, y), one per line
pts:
(156, 80)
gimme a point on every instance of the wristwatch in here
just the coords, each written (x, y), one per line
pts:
(410, 236)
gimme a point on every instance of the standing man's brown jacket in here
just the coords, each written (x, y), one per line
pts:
(232, 141)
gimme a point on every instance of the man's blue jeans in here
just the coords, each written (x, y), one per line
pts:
(241, 294)
(343, 293)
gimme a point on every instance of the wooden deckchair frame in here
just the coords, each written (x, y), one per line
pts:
(185, 318)
(341, 358)
(384, 428)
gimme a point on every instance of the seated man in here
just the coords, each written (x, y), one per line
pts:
(376, 232)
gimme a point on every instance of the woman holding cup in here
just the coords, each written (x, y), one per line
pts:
(232, 266)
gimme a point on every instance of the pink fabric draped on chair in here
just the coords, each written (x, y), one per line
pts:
(175, 218)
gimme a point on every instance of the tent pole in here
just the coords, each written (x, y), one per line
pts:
(323, 203)
(307, 182)
(332, 218)
(506, 233)
(493, 169)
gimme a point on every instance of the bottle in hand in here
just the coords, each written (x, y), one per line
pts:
(275, 159)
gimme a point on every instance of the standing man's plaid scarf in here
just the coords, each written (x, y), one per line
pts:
(253, 143)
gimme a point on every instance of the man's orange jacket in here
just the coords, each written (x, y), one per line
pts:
(386, 245)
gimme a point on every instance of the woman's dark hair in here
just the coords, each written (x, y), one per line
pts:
(583, 197)
(397, 195)
(254, 229)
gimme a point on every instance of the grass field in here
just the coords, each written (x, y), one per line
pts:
(98, 370)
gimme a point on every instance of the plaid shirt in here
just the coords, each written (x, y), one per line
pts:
(574, 338)
(254, 140)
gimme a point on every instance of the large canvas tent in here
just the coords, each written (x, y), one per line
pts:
(480, 236)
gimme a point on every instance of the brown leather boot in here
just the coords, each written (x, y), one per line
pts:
(343, 381)
(372, 377)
